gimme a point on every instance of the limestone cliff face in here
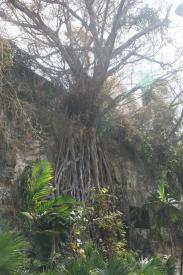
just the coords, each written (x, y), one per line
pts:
(20, 144)
(18, 149)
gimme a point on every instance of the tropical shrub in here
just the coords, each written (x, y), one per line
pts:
(45, 216)
(102, 224)
(165, 206)
(93, 263)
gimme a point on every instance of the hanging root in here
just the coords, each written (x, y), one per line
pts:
(81, 163)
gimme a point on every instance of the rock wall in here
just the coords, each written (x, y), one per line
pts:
(17, 150)
(20, 144)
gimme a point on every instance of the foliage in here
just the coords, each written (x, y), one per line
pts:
(34, 185)
(93, 263)
(49, 215)
(155, 120)
(12, 249)
(176, 163)
(147, 16)
(103, 223)
(165, 209)
(147, 150)
(44, 215)
(155, 266)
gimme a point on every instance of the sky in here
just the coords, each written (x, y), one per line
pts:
(169, 53)
(176, 23)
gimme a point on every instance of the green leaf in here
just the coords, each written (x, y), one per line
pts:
(12, 248)
(27, 215)
(170, 266)
(161, 192)
(42, 174)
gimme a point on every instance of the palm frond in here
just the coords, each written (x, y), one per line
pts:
(62, 202)
(26, 217)
(153, 266)
(170, 266)
(117, 267)
(42, 174)
(92, 263)
(12, 249)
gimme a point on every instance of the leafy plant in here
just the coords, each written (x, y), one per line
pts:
(12, 249)
(153, 266)
(103, 223)
(166, 214)
(170, 266)
(93, 263)
(166, 205)
(116, 266)
(42, 212)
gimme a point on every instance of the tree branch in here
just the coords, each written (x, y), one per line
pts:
(137, 36)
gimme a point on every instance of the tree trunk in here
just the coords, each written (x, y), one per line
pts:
(53, 248)
(181, 263)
